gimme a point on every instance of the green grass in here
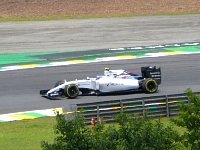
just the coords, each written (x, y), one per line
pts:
(26, 134)
(48, 18)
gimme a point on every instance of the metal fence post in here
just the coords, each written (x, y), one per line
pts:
(167, 106)
(121, 105)
(143, 109)
(189, 101)
(98, 113)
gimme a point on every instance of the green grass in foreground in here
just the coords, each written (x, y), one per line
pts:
(48, 18)
(27, 134)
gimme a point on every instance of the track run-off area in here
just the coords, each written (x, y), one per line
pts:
(34, 60)
(174, 47)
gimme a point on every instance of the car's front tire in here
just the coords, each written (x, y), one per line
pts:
(71, 91)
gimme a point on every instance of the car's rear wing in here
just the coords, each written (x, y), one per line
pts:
(152, 72)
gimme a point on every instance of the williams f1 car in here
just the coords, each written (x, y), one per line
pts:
(112, 82)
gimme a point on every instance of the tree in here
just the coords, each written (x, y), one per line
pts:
(132, 133)
(71, 135)
(189, 118)
(105, 138)
(138, 133)
(76, 135)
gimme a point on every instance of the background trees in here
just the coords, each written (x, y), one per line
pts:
(189, 118)
(130, 132)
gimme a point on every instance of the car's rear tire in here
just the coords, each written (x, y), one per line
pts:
(150, 86)
(71, 91)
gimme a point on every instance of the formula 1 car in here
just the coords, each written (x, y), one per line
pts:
(112, 82)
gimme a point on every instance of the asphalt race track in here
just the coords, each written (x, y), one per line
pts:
(19, 90)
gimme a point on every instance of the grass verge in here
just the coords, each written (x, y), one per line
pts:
(26, 134)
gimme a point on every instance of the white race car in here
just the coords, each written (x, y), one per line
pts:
(112, 82)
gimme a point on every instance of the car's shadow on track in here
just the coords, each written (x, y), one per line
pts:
(61, 98)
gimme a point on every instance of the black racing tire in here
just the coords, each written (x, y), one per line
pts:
(150, 86)
(71, 91)
(59, 83)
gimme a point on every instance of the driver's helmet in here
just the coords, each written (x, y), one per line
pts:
(107, 69)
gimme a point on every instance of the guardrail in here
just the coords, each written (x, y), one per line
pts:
(156, 106)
